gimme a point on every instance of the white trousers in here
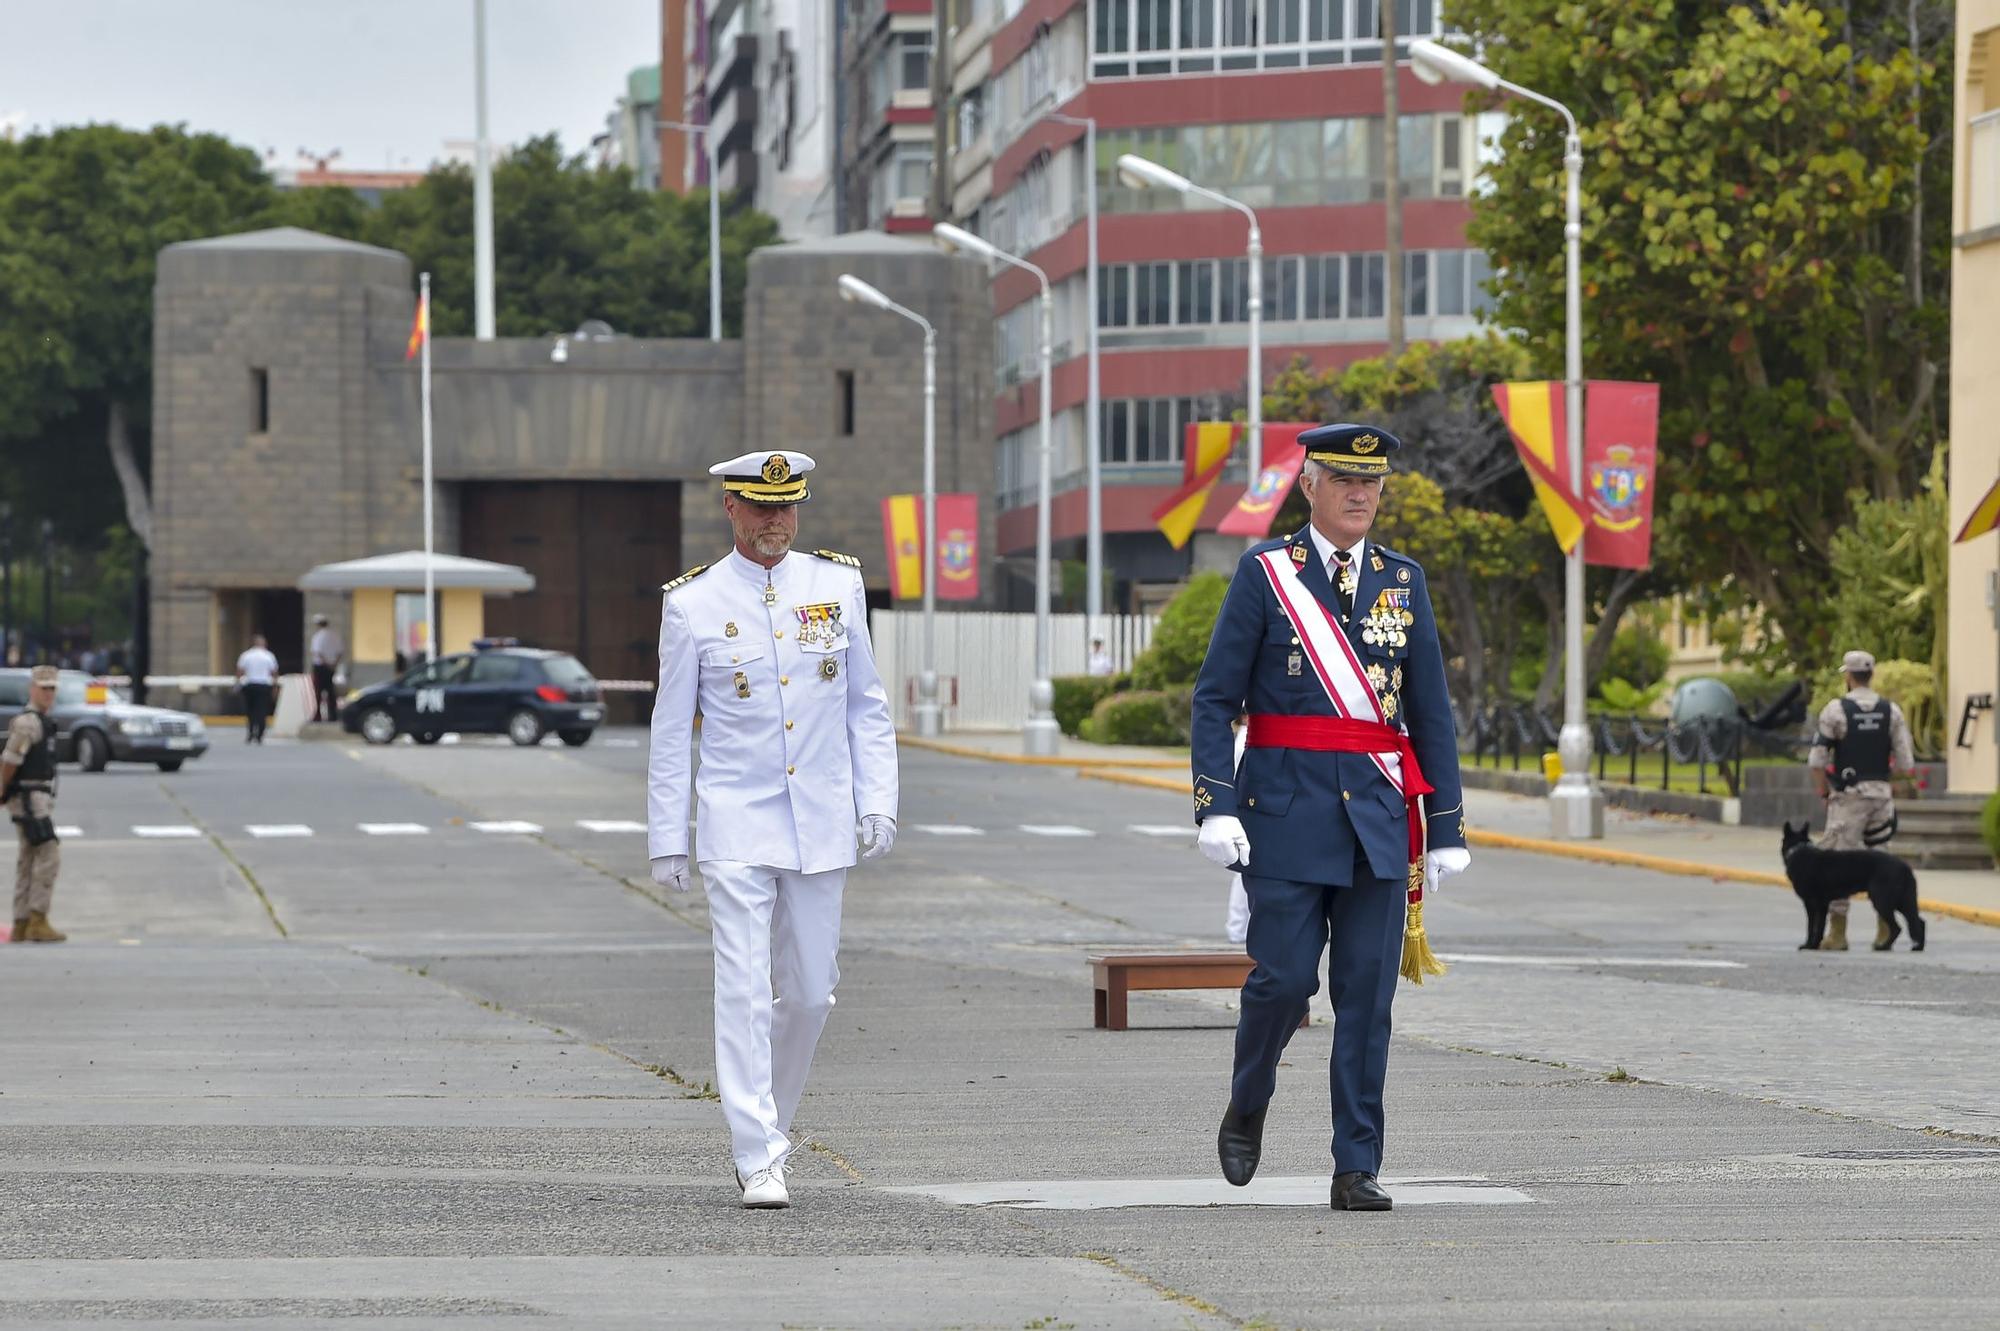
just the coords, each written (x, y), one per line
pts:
(775, 932)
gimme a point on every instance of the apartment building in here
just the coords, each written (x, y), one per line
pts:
(888, 122)
(1275, 103)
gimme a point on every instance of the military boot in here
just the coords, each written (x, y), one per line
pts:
(41, 931)
(1882, 935)
(20, 934)
(1836, 934)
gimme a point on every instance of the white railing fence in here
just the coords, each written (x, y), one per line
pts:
(985, 662)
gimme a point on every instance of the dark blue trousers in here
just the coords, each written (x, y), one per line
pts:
(1291, 924)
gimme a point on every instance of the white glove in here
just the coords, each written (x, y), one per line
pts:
(1442, 864)
(672, 871)
(1224, 841)
(878, 833)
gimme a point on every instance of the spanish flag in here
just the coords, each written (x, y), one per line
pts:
(420, 329)
(1534, 413)
(1207, 447)
(1984, 518)
(902, 533)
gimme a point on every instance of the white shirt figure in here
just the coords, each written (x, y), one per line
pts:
(1100, 661)
(327, 648)
(798, 758)
(257, 666)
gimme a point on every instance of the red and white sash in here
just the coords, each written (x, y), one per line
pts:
(1332, 655)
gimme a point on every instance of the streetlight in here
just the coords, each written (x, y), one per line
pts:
(1040, 735)
(854, 289)
(714, 224)
(482, 186)
(48, 589)
(1138, 173)
(1576, 805)
(1093, 541)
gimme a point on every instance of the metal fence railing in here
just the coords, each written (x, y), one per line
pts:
(1633, 750)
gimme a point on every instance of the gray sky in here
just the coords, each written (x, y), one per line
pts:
(385, 81)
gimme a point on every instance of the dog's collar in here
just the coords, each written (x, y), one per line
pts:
(1787, 853)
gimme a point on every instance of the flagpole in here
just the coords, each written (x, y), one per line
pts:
(430, 576)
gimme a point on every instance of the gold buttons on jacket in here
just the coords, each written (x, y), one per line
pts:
(784, 679)
(1345, 795)
(790, 724)
(1253, 803)
(791, 771)
(780, 633)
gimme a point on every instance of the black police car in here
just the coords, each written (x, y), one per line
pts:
(96, 724)
(500, 689)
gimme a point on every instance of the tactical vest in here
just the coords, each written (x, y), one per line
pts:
(1864, 754)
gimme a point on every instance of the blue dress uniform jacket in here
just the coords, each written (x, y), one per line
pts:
(796, 740)
(1307, 814)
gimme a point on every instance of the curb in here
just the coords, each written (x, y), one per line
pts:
(1630, 859)
(1035, 760)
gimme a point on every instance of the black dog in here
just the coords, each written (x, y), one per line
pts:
(1821, 877)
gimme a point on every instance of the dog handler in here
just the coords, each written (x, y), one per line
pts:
(1863, 740)
(798, 757)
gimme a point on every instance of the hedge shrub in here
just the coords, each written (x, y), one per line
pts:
(1180, 639)
(1145, 716)
(1989, 824)
(1078, 695)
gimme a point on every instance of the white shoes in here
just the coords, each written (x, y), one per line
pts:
(765, 1189)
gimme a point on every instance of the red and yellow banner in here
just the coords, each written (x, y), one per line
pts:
(420, 329)
(1620, 471)
(958, 547)
(1204, 451)
(1258, 508)
(902, 535)
(957, 550)
(1611, 511)
(1985, 516)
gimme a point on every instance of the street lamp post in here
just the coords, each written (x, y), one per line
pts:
(1139, 173)
(714, 223)
(482, 186)
(1093, 540)
(927, 713)
(1576, 805)
(1040, 735)
(48, 590)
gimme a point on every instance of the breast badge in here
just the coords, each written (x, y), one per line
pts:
(1295, 665)
(729, 629)
(829, 668)
(742, 685)
(1377, 676)
(1402, 575)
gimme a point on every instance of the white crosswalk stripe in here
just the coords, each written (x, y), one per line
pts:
(950, 829)
(165, 832)
(610, 825)
(269, 831)
(394, 829)
(65, 832)
(507, 827)
(1162, 829)
(1056, 830)
(616, 743)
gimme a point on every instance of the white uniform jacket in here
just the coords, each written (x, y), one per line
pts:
(796, 738)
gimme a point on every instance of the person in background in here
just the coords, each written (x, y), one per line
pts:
(328, 654)
(1862, 741)
(1100, 660)
(257, 676)
(28, 791)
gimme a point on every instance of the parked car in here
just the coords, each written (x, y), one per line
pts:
(97, 724)
(520, 692)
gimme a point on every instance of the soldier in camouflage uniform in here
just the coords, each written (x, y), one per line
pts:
(1862, 741)
(28, 776)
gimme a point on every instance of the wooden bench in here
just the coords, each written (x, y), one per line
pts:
(1115, 975)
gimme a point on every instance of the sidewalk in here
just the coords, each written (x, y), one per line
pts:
(1501, 821)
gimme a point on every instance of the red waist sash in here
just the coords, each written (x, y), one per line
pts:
(1339, 734)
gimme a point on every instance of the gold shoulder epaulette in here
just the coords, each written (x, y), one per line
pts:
(685, 578)
(836, 557)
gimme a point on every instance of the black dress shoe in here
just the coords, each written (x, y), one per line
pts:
(1240, 1144)
(1359, 1192)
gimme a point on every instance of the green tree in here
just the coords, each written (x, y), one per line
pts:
(1180, 639)
(1890, 564)
(1760, 236)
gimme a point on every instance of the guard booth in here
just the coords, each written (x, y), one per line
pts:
(386, 616)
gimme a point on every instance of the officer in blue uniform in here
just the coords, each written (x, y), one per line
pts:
(1313, 818)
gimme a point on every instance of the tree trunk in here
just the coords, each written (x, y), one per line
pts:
(1392, 169)
(1915, 261)
(138, 505)
(1469, 638)
(1624, 590)
(1551, 592)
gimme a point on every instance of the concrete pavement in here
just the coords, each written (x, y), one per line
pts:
(470, 1081)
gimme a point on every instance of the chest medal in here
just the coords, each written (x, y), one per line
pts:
(819, 624)
(829, 669)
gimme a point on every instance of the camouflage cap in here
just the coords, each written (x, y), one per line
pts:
(1857, 663)
(44, 676)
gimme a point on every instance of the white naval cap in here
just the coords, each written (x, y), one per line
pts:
(766, 478)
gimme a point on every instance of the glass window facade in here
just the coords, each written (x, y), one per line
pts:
(1147, 38)
(1288, 163)
(1296, 286)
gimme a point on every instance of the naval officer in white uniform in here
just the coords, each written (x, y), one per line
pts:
(798, 761)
